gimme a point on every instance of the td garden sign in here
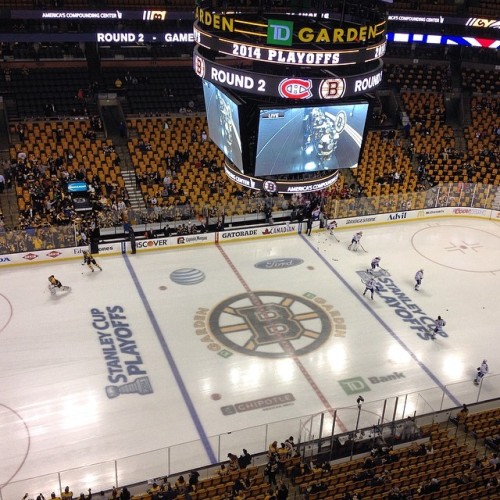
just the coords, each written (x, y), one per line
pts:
(286, 32)
(254, 57)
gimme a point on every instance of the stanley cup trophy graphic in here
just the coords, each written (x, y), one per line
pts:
(140, 385)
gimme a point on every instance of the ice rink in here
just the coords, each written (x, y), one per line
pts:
(180, 346)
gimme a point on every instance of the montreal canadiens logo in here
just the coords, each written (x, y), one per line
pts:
(295, 88)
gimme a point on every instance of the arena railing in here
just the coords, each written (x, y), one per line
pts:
(339, 433)
(451, 194)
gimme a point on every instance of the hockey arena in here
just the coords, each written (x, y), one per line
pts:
(159, 350)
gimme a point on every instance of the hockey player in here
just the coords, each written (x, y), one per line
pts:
(90, 261)
(439, 323)
(55, 284)
(481, 372)
(374, 264)
(330, 227)
(419, 276)
(355, 242)
(370, 285)
(484, 366)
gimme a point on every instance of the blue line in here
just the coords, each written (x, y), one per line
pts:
(384, 324)
(171, 362)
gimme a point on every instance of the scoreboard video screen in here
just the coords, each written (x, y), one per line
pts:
(223, 122)
(309, 139)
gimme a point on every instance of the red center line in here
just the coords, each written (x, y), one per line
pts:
(285, 344)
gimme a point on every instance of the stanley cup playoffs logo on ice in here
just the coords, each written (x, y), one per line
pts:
(140, 385)
(124, 363)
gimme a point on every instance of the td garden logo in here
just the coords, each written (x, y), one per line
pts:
(269, 324)
(279, 32)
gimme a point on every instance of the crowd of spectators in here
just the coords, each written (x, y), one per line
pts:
(48, 204)
(47, 215)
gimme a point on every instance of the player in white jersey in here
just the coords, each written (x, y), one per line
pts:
(330, 227)
(419, 276)
(371, 286)
(484, 366)
(439, 324)
(481, 371)
(355, 242)
(374, 264)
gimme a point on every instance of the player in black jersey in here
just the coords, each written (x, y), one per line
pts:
(55, 284)
(90, 261)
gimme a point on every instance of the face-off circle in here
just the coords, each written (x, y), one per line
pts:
(14, 443)
(459, 247)
(5, 312)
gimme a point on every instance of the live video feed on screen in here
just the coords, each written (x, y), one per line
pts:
(223, 122)
(309, 139)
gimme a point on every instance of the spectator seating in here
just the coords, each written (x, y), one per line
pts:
(493, 442)
(422, 77)
(36, 90)
(405, 472)
(436, 148)
(435, 143)
(487, 8)
(482, 140)
(436, 52)
(453, 465)
(198, 179)
(400, 50)
(95, 156)
(482, 55)
(29, 51)
(485, 423)
(192, 180)
(480, 80)
(162, 50)
(218, 487)
(432, 140)
(157, 90)
(381, 157)
(482, 137)
(425, 107)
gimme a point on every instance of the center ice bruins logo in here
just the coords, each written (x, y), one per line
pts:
(270, 324)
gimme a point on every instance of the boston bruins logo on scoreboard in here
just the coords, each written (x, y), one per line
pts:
(199, 66)
(332, 88)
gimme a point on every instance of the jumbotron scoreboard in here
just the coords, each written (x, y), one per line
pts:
(285, 91)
